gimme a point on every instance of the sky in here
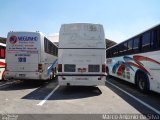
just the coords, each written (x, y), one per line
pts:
(121, 19)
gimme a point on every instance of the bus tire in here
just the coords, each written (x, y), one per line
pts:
(142, 82)
(3, 75)
(51, 77)
(107, 71)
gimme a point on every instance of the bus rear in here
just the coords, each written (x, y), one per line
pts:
(22, 55)
(81, 55)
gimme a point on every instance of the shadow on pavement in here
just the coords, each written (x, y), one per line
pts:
(21, 85)
(68, 92)
(76, 92)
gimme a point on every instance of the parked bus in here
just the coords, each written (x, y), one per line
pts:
(2, 60)
(30, 55)
(137, 60)
(81, 55)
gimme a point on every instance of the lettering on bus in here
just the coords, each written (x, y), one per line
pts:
(21, 59)
(13, 39)
(21, 54)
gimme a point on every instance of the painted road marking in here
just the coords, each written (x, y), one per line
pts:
(8, 83)
(137, 99)
(48, 96)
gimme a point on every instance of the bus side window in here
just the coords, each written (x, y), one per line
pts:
(107, 54)
(120, 46)
(55, 51)
(146, 42)
(50, 48)
(154, 40)
(45, 45)
(114, 52)
(136, 46)
(130, 45)
(123, 49)
(158, 36)
(110, 53)
(117, 51)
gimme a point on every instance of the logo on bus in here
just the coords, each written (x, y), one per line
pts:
(13, 39)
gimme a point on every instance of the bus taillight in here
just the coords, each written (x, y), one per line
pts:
(40, 67)
(103, 67)
(59, 67)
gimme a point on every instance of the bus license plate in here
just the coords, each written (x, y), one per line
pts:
(22, 75)
(82, 78)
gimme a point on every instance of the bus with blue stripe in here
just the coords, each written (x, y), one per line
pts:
(30, 56)
(137, 60)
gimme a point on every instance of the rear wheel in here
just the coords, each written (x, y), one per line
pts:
(51, 77)
(142, 82)
(53, 74)
(107, 70)
(3, 75)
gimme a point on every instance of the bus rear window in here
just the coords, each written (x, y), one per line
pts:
(69, 68)
(93, 68)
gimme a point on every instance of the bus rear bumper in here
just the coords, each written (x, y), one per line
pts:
(81, 80)
(22, 75)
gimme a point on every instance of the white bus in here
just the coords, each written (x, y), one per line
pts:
(137, 60)
(2, 60)
(30, 56)
(81, 55)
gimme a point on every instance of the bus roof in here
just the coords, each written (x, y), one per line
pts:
(134, 36)
(81, 24)
(25, 32)
(77, 26)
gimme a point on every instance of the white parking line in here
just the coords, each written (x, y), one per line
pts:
(48, 96)
(8, 83)
(137, 99)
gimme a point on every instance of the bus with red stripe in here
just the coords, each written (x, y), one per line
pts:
(2, 60)
(137, 60)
